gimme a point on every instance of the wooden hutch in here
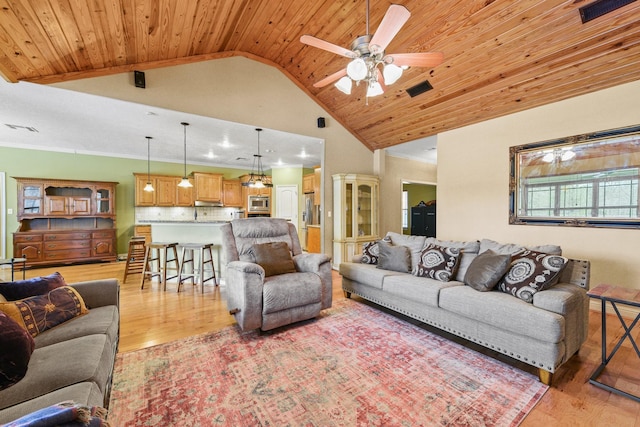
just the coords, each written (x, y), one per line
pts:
(64, 221)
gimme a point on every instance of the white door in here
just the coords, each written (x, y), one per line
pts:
(287, 203)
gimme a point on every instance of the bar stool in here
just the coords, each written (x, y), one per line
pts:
(13, 262)
(135, 257)
(205, 256)
(159, 252)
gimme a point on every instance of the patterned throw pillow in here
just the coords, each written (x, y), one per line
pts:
(531, 272)
(438, 262)
(31, 287)
(17, 346)
(370, 253)
(42, 312)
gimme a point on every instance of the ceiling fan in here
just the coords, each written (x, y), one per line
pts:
(369, 63)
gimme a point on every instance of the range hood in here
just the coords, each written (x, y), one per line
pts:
(203, 203)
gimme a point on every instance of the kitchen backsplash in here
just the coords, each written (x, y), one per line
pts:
(184, 214)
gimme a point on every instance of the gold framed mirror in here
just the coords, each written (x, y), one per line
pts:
(588, 180)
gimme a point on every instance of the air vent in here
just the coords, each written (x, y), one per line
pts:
(601, 7)
(17, 127)
(419, 88)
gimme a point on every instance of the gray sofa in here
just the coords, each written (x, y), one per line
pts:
(544, 333)
(72, 361)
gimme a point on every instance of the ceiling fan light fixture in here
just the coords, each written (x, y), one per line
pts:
(374, 89)
(357, 69)
(391, 73)
(344, 85)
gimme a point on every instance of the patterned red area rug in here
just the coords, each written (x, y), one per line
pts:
(354, 365)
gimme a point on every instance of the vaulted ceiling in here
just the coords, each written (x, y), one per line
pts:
(500, 56)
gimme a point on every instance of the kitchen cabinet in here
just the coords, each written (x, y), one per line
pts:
(166, 191)
(208, 187)
(307, 183)
(145, 198)
(184, 195)
(313, 239)
(65, 221)
(232, 192)
(355, 214)
(144, 231)
(317, 182)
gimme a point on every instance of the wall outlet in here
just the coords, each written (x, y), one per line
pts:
(9, 211)
(328, 214)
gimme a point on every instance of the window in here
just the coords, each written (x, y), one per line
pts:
(405, 209)
(584, 180)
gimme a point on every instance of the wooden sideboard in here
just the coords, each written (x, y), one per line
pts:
(65, 221)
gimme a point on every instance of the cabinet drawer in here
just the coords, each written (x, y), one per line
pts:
(68, 254)
(109, 234)
(67, 236)
(25, 238)
(66, 244)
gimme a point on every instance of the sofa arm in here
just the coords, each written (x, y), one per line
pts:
(244, 282)
(99, 293)
(321, 265)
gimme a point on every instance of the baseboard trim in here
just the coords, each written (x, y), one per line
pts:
(628, 312)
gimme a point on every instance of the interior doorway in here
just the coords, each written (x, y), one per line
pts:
(413, 194)
(3, 216)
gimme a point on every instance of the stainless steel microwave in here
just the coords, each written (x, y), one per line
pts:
(259, 204)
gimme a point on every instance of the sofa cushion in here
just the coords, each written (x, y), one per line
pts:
(274, 257)
(513, 248)
(486, 269)
(469, 252)
(21, 289)
(99, 320)
(531, 272)
(394, 258)
(290, 290)
(438, 262)
(421, 290)
(85, 393)
(414, 243)
(88, 358)
(38, 313)
(16, 346)
(366, 274)
(504, 312)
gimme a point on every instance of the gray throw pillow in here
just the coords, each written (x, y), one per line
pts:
(394, 258)
(486, 269)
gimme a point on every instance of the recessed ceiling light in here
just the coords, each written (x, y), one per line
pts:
(151, 113)
(210, 155)
(270, 151)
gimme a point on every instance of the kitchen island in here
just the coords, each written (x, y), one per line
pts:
(192, 232)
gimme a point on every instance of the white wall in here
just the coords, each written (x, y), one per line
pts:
(243, 91)
(473, 181)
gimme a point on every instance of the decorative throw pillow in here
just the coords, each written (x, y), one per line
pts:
(394, 258)
(437, 262)
(274, 257)
(531, 272)
(486, 269)
(17, 346)
(370, 253)
(39, 313)
(31, 287)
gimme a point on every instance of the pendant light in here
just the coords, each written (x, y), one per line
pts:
(184, 183)
(257, 177)
(148, 188)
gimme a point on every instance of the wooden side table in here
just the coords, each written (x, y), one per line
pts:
(615, 295)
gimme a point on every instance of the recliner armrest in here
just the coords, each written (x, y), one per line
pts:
(310, 263)
(246, 267)
(244, 282)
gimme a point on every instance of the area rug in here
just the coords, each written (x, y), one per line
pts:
(352, 366)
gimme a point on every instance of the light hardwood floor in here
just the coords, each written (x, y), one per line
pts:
(151, 316)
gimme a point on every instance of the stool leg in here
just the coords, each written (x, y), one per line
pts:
(201, 270)
(184, 251)
(147, 267)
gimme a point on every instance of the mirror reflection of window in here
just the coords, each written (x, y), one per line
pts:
(583, 180)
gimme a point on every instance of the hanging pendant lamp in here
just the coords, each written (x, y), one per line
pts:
(257, 177)
(148, 188)
(185, 183)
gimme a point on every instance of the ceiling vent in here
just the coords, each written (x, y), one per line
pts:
(419, 88)
(17, 127)
(601, 7)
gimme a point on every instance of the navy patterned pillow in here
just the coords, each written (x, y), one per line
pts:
(20, 289)
(531, 272)
(438, 262)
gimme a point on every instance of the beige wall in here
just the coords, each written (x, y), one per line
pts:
(244, 91)
(473, 171)
(395, 171)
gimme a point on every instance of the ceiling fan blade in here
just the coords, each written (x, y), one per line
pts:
(330, 79)
(393, 20)
(324, 45)
(425, 59)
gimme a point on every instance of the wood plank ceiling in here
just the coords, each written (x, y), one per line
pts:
(500, 56)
